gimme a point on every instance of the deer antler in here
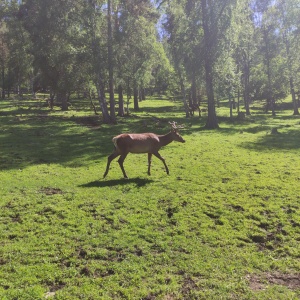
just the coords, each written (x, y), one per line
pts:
(174, 126)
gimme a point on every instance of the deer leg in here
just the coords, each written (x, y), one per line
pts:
(109, 160)
(149, 162)
(163, 160)
(120, 161)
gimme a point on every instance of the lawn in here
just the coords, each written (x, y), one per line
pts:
(225, 224)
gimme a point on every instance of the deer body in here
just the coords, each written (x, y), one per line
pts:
(141, 143)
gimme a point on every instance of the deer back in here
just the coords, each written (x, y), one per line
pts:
(137, 142)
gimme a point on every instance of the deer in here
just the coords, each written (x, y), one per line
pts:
(193, 107)
(142, 143)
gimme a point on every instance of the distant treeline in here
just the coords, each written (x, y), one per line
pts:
(195, 50)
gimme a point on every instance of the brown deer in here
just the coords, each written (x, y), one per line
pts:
(193, 107)
(142, 143)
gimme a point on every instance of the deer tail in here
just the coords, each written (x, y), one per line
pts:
(114, 140)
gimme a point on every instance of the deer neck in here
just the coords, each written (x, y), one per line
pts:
(165, 139)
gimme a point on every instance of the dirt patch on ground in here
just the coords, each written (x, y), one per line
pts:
(188, 286)
(260, 282)
(50, 191)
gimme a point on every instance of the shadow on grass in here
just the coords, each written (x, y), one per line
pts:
(33, 135)
(276, 142)
(139, 182)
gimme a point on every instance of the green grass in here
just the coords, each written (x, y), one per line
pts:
(225, 224)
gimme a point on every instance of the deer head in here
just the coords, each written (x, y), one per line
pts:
(175, 134)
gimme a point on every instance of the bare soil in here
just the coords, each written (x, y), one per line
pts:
(260, 282)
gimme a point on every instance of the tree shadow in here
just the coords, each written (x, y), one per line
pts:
(33, 135)
(279, 142)
(50, 140)
(139, 182)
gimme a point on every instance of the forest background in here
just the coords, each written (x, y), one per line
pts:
(197, 51)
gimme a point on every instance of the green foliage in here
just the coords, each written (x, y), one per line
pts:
(57, 44)
(62, 47)
(136, 43)
(226, 218)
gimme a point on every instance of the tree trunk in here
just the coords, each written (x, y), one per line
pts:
(231, 107)
(238, 100)
(3, 83)
(51, 100)
(291, 79)
(62, 98)
(295, 102)
(247, 87)
(102, 102)
(135, 98)
(64, 103)
(92, 103)
(110, 65)
(212, 121)
(270, 97)
(121, 112)
(246, 95)
(143, 94)
(194, 90)
(289, 64)
(183, 93)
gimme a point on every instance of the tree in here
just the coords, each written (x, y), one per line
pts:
(110, 63)
(137, 46)
(184, 38)
(19, 63)
(216, 18)
(245, 49)
(273, 58)
(196, 32)
(3, 47)
(289, 21)
(54, 29)
(95, 39)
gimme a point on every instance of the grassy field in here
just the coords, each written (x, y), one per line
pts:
(225, 224)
